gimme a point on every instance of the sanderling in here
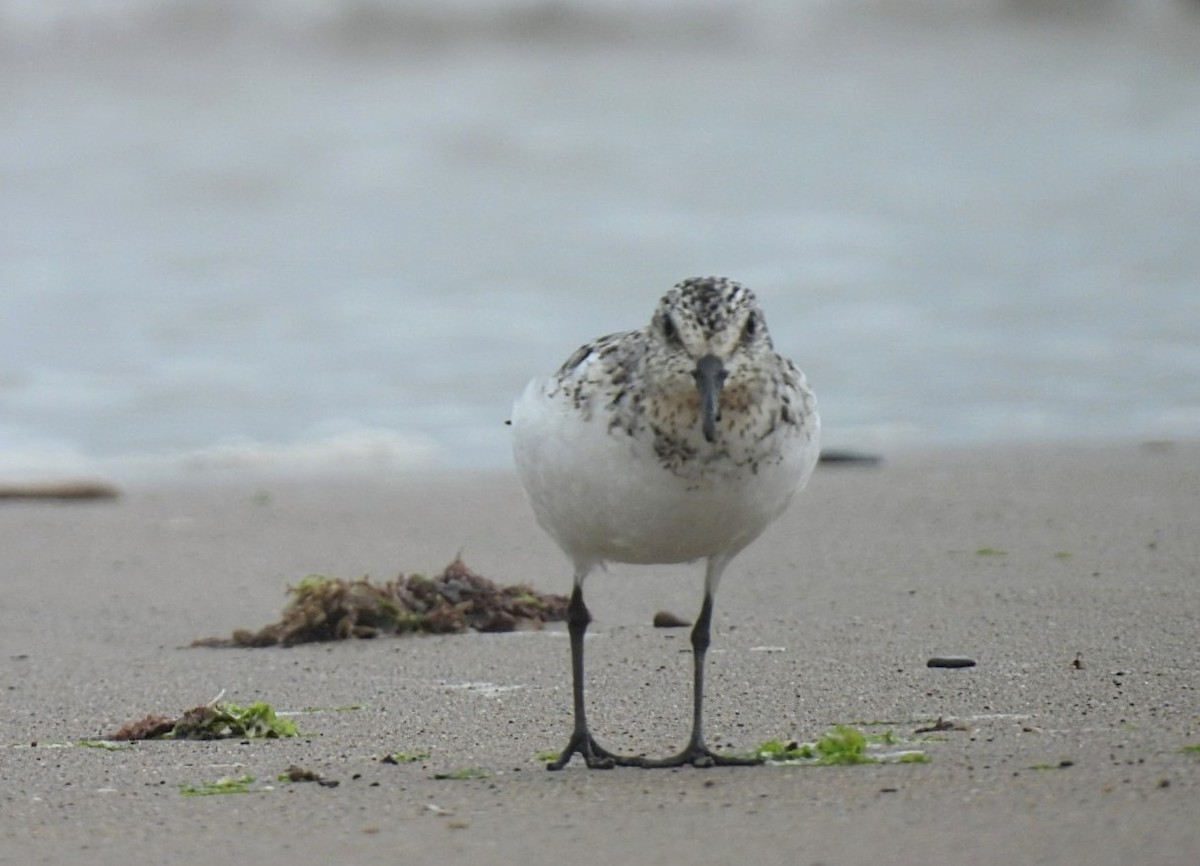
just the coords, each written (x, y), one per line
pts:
(679, 441)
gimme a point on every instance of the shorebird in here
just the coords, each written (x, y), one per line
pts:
(680, 441)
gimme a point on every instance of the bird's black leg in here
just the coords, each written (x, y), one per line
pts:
(581, 741)
(696, 752)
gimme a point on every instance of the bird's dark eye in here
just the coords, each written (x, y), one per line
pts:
(669, 330)
(750, 329)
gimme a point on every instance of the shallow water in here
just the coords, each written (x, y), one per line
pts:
(341, 234)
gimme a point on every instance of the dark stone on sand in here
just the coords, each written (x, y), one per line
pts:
(842, 457)
(665, 619)
(950, 662)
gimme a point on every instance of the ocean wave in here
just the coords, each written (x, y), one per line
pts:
(358, 22)
(354, 452)
(430, 23)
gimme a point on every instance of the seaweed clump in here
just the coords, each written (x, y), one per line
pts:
(212, 721)
(329, 608)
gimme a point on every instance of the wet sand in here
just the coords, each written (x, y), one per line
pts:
(1070, 574)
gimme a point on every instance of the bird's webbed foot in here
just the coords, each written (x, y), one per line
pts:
(701, 756)
(595, 755)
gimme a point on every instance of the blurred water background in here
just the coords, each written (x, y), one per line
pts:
(342, 234)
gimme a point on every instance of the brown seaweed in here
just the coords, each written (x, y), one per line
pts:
(329, 608)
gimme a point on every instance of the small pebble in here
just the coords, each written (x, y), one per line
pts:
(664, 619)
(950, 662)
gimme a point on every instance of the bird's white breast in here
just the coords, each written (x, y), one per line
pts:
(604, 494)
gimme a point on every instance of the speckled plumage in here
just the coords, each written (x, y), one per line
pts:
(618, 426)
(681, 440)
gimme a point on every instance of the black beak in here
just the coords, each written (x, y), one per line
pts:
(710, 378)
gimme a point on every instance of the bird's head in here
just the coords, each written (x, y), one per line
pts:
(711, 326)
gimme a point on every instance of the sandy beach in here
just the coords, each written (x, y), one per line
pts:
(1068, 573)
